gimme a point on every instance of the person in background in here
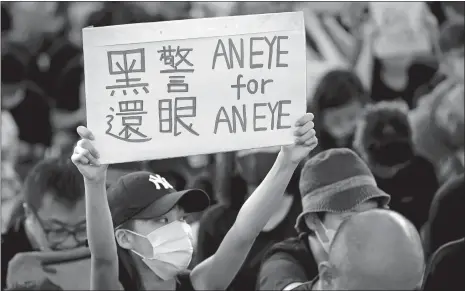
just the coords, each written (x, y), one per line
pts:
(334, 184)
(337, 103)
(6, 25)
(10, 180)
(150, 231)
(36, 27)
(374, 250)
(400, 76)
(438, 120)
(383, 138)
(54, 212)
(28, 105)
(445, 222)
(446, 269)
(253, 166)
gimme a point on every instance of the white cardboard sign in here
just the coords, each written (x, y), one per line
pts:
(170, 89)
(401, 29)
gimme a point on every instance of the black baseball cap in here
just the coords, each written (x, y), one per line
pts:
(144, 195)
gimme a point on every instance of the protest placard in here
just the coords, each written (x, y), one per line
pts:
(170, 89)
(401, 30)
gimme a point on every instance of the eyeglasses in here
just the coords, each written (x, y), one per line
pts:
(58, 235)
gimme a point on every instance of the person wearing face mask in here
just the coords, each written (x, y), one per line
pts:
(374, 250)
(383, 138)
(337, 102)
(153, 245)
(334, 185)
(53, 213)
(252, 167)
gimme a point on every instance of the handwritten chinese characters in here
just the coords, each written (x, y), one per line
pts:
(131, 113)
(170, 89)
(172, 114)
(124, 63)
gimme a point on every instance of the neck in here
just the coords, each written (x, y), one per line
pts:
(395, 78)
(318, 252)
(150, 280)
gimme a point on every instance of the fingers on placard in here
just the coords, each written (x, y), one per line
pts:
(86, 153)
(85, 133)
(307, 136)
(87, 145)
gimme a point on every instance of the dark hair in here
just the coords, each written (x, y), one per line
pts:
(6, 19)
(13, 69)
(452, 36)
(338, 87)
(57, 175)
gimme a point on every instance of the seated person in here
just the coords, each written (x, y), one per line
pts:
(445, 222)
(334, 185)
(383, 138)
(253, 166)
(153, 245)
(54, 212)
(28, 105)
(373, 250)
(446, 268)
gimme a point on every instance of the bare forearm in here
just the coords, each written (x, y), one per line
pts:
(99, 224)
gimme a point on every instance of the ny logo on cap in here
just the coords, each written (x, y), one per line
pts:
(157, 180)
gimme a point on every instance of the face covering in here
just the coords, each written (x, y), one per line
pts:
(327, 238)
(392, 153)
(172, 249)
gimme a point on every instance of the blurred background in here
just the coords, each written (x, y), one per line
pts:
(43, 98)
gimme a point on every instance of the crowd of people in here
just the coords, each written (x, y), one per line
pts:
(369, 197)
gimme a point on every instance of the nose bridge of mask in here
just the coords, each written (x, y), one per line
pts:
(327, 235)
(167, 237)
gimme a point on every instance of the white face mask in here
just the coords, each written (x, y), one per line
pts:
(328, 237)
(172, 249)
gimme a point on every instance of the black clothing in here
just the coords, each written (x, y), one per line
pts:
(418, 75)
(412, 189)
(219, 219)
(290, 261)
(32, 117)
(447, 267)
(14, 241)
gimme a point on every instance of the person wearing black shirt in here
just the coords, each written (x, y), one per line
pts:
(334, 185)
(26, 102)
(139, 230)
(54, 205)
(383, 138)
(218, 220)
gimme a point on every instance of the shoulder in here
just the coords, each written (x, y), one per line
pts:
(293, 247)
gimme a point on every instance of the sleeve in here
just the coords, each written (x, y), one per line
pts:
(278, 271)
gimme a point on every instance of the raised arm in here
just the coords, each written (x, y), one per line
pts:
(218, 271)
(102, 244)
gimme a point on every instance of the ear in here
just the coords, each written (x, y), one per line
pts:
(310, 221)
(123, 238)
(327, 275)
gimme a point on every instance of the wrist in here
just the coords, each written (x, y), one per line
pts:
(285, 159)
(95, 181)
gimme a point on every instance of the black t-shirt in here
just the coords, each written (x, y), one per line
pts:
(447, 268)
(287, 262)
(14, 241)
(32, 116)
(412, 189)
(219, 219)
(418, 75)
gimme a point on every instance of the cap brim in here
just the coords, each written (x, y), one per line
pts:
(192, 200)
(342, 202)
